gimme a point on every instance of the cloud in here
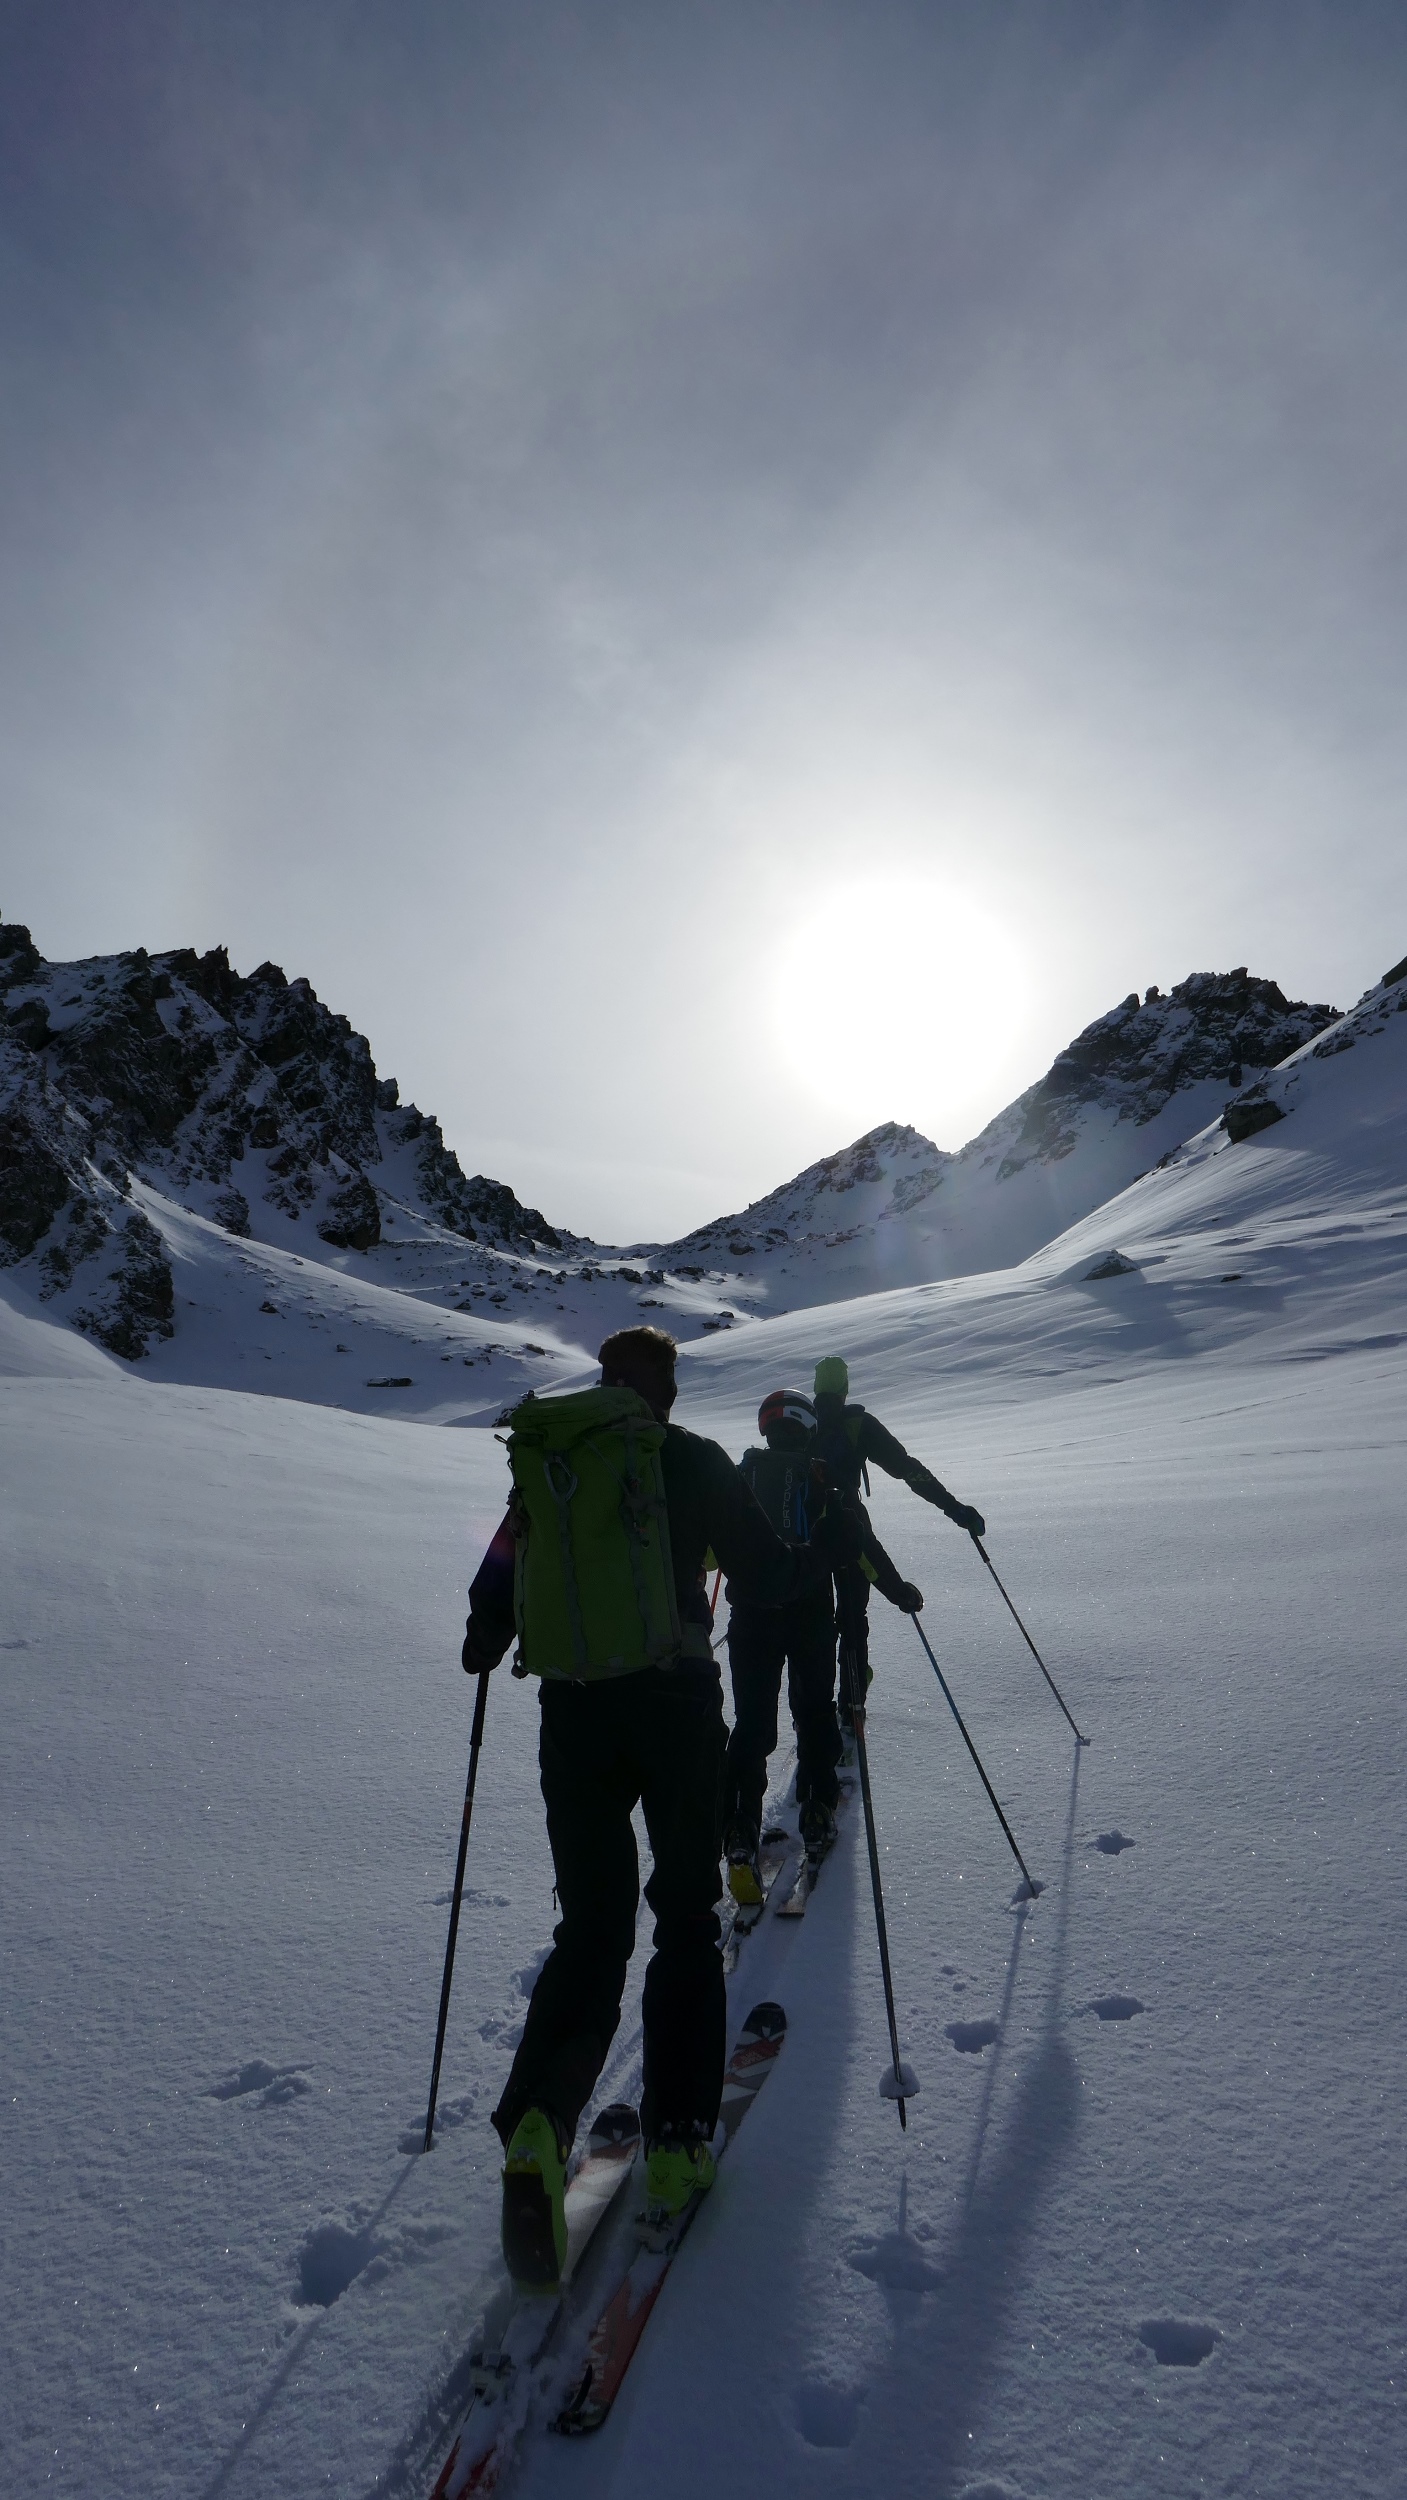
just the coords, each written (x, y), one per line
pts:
(503, 518)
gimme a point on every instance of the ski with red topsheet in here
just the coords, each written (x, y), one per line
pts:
(494, 2417)
(622, 2320)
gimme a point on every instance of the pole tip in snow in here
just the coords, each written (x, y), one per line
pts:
(1028, 1891)
(1083, 1740)
(898, 2083)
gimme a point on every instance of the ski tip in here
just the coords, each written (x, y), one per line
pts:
(766, 2021)
(619, 2124)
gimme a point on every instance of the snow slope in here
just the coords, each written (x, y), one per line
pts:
(236, 1734)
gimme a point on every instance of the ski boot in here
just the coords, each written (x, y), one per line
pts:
(534, 2202)
(744, 1871)
(817, 1822)
(679, 2169)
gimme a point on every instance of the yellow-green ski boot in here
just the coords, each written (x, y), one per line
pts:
(679, 2170)
(534, 2203)
(744, 1872)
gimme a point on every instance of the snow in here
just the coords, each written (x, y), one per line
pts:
(1143, 2232)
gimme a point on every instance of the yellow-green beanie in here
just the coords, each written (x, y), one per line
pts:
(832, 1377)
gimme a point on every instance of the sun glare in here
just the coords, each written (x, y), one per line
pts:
(900, 999)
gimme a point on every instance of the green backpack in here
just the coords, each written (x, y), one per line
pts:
(593, 1583)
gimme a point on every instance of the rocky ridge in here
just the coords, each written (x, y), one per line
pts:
(242, 1099)
(1145, 1058)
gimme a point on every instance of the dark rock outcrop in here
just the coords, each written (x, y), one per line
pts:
(1215, 1025)
(353, 1217)
(224, 1092)
(137, 1300)
(1247, 1117)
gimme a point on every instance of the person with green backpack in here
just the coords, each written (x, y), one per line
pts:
(598, 1569)
(792, 1486)
(850, 1441)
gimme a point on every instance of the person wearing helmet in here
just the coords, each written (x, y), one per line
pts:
(791, 1485)
(850, 1440)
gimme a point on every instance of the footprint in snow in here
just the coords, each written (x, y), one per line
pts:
(1179, 2343)
(970, 2037)
(1116, 2009)
(827, 2417)
(1110, 1843)
(448, 2116)
(525, 1980)
(275, 2085)
(329, 2260)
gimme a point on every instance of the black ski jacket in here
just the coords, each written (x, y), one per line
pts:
(851, 1439)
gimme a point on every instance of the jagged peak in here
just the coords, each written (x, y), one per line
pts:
(894, 1160)
(218, 1088)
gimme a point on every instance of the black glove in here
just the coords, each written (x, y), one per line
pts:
(964, 1516)
(910, 1599)
(474, 1657)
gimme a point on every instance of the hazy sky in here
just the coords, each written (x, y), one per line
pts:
(713, 574)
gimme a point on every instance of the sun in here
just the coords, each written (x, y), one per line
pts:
(897, 994)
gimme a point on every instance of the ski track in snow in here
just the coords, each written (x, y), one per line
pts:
(1143, 2233)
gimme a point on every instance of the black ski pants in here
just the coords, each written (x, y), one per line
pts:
(761, 1641)
(654, 1739)
(852, 1615)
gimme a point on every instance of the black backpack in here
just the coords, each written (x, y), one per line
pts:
(838, 1443)
(782, 1482)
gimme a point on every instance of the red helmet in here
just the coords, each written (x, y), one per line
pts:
(786, 1406)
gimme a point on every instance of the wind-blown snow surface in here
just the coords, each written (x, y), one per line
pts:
(235, 1741)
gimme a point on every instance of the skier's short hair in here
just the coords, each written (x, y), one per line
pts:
(653, 1346)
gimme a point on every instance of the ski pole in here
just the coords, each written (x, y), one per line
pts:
(713, 1601)
(857, 1719)
(1032, 1887)
(476, 1738)
(1026, 1637)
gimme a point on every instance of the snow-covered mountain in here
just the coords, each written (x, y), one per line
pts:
(894, 1209)
(178, 1144)
(204, 1171)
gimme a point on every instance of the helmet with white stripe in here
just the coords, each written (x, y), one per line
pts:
(786, 1406)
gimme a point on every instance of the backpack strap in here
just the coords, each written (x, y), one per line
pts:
(562, 1484)
(639, 1509)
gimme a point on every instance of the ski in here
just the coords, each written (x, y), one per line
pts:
(484, 2442)
(614, 2337)
(794, 1905)
(772, 1859)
